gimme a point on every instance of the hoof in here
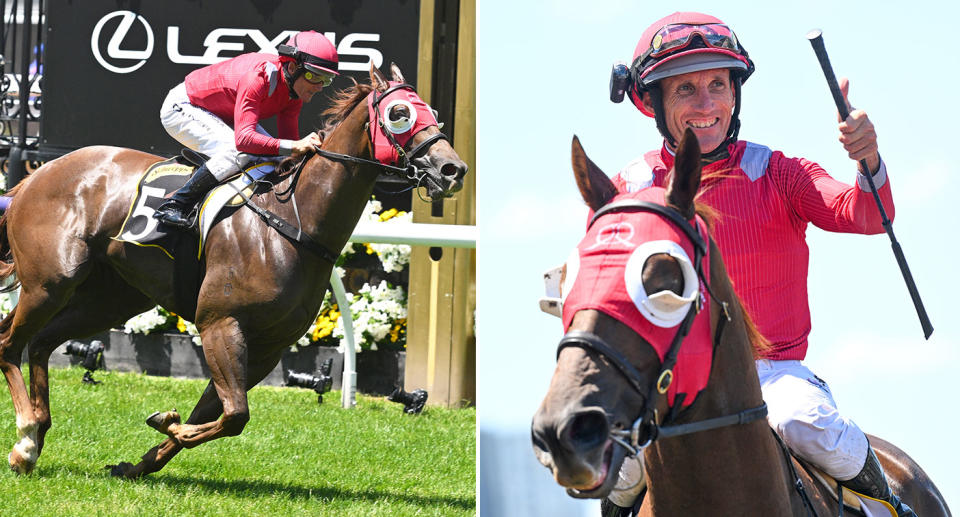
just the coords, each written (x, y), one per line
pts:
(19, 464)
(121, 470)
(161, 421)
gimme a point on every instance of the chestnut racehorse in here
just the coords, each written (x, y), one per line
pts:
(594, 415)
(259, 290)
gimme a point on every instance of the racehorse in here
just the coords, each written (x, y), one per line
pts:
(260, 290)
(612, 393)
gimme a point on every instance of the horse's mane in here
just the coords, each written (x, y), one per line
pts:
(342, 103)
(759, 343)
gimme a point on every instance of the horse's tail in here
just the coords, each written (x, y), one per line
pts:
(7, 266)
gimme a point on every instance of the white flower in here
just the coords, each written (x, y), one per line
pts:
(394, 257)
(146, 322)
(6, 304)
(375, 310)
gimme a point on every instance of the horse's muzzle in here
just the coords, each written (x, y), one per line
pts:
(444, 175)
(576, 447)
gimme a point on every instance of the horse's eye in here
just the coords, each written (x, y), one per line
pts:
(399, 113)
(399, 116)
(654, 274)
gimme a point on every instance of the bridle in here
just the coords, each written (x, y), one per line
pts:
(408, 170)
(648, 425)
(405, 168)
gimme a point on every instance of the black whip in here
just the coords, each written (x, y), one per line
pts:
(816, 39)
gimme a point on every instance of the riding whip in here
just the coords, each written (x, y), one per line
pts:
(816, 40)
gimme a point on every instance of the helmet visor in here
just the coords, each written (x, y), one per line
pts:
(678, 35)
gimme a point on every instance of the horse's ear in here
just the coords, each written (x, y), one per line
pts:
(396, 73)
(377, 79)
(685, 180)
(595, 186)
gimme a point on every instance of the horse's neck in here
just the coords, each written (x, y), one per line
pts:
(711, 472)
(338, 191)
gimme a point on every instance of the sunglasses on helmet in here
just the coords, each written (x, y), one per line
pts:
(313, 77)
(679, 35)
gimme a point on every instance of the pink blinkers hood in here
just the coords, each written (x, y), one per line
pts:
(602, 282)
(383, 149)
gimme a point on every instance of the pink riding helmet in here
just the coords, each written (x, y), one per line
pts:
(311, 50)
(681, 43)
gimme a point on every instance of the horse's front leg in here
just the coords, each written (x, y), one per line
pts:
(207, 410)
(225, 350)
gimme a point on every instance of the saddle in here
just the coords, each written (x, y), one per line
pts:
(163, 178)
(854, 502)
(157, 183)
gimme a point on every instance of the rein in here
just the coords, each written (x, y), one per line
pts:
(648, 421)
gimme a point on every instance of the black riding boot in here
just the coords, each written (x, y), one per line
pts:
(871, 482)
(176, 210)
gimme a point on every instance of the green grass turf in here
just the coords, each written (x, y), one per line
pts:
(295, 457)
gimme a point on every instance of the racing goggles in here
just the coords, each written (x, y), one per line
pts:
(316, 76)
(678, 35)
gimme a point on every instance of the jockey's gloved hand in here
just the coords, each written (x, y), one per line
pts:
(306, 144)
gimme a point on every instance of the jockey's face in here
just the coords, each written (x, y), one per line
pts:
(303, 88)
(702, 101)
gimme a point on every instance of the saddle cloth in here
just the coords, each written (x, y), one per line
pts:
(163, 178)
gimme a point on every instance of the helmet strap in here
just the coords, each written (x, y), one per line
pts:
(734, 129)
(656, 99)
(291, 78)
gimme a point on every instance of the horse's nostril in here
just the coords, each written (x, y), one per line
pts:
(588, 430)
(452, 170)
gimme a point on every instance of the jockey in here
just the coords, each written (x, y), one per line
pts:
(687, 71)
(217, 110)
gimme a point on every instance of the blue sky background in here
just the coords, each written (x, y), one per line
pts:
(543, 72)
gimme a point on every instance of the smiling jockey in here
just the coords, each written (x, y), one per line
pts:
(217, 111)
(687, 71)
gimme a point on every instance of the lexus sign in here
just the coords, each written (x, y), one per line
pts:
(107, 69)
(219, 44)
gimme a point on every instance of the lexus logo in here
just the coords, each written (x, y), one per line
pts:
(218, 45)
(114, 51)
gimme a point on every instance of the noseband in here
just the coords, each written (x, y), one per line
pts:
(648, 424)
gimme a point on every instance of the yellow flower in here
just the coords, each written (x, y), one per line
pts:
(388, 214)
(181, 325)
(398, 328)
(370, 250)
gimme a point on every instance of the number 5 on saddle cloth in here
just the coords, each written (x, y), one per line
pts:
(163, 178)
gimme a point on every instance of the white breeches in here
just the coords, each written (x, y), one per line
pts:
(204, 132)
(802, 411)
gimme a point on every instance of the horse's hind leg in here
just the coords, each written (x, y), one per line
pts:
(34, 309)
(24, 455)
(208, 409)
